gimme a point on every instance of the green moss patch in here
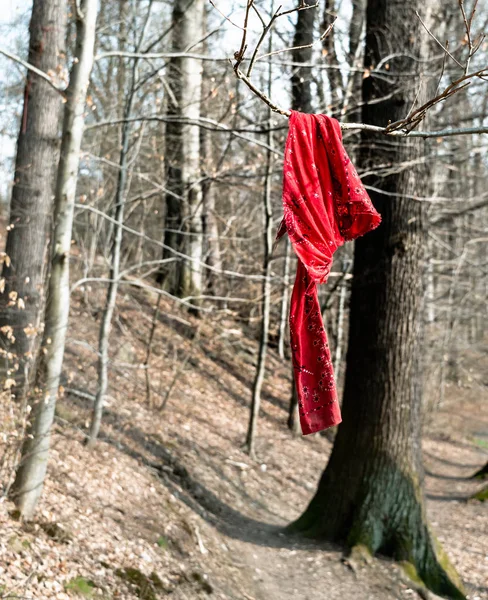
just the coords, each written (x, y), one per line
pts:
(411, 572)
(482, 495)
(163, 542)
(81, 587)
(146, 588)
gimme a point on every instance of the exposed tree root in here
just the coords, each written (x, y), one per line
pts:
(387, 515)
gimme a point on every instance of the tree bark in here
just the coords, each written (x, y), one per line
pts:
(301, 80)
(370, 495)
(35, 450)
(183, 227)
(340, 320)
(25, 269)
(284, 300)
(293, 416)
(336, 83)
(210, 228)
(354, 79)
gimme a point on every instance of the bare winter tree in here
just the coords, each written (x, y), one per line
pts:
(35, 450)
(173, 142)
(210, 228)
(183, 227)
(267, 217)
(26, 262)
(113, 284)
(370, 495)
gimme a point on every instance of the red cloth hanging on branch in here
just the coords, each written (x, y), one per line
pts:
(324, 204)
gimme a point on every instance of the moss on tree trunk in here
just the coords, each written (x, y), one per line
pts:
(380, 510)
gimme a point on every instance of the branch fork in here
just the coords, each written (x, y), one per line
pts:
(404, 127)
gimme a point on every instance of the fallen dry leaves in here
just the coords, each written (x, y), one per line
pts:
(168, 503)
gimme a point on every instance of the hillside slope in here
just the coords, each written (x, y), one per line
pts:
(168, 504)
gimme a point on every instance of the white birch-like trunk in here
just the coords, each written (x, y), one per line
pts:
(210, 229)
(191, 73)
(184, 226)
(35, 451)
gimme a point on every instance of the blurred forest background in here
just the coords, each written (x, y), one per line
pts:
(150, 442)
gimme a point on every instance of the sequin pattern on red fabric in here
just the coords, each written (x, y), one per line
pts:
(324, 204)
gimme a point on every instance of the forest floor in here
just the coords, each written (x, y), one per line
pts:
(167, 503)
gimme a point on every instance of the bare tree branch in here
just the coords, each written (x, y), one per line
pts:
(48, 78)
(405, 126)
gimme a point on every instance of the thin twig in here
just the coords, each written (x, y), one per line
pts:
(470, 23)
(442, 71)
(225, 17)
(466, 25)
(201, 122)
(259, 15)
(302, 6)
(239, 55)
(165, 246)
(437, 41)
(402, 127)
(453, 88)
(157, 55)
(266, 28)
(35, 70)
(180, 369)
(262, 95)
(320, 39)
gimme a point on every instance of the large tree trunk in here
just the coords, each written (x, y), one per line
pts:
(35, 450)
(370, 495)
(354, 78)
(340, 320)
(330, 57)
(183, 227)
(29, 231)
(293, 421)
(301, 80)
